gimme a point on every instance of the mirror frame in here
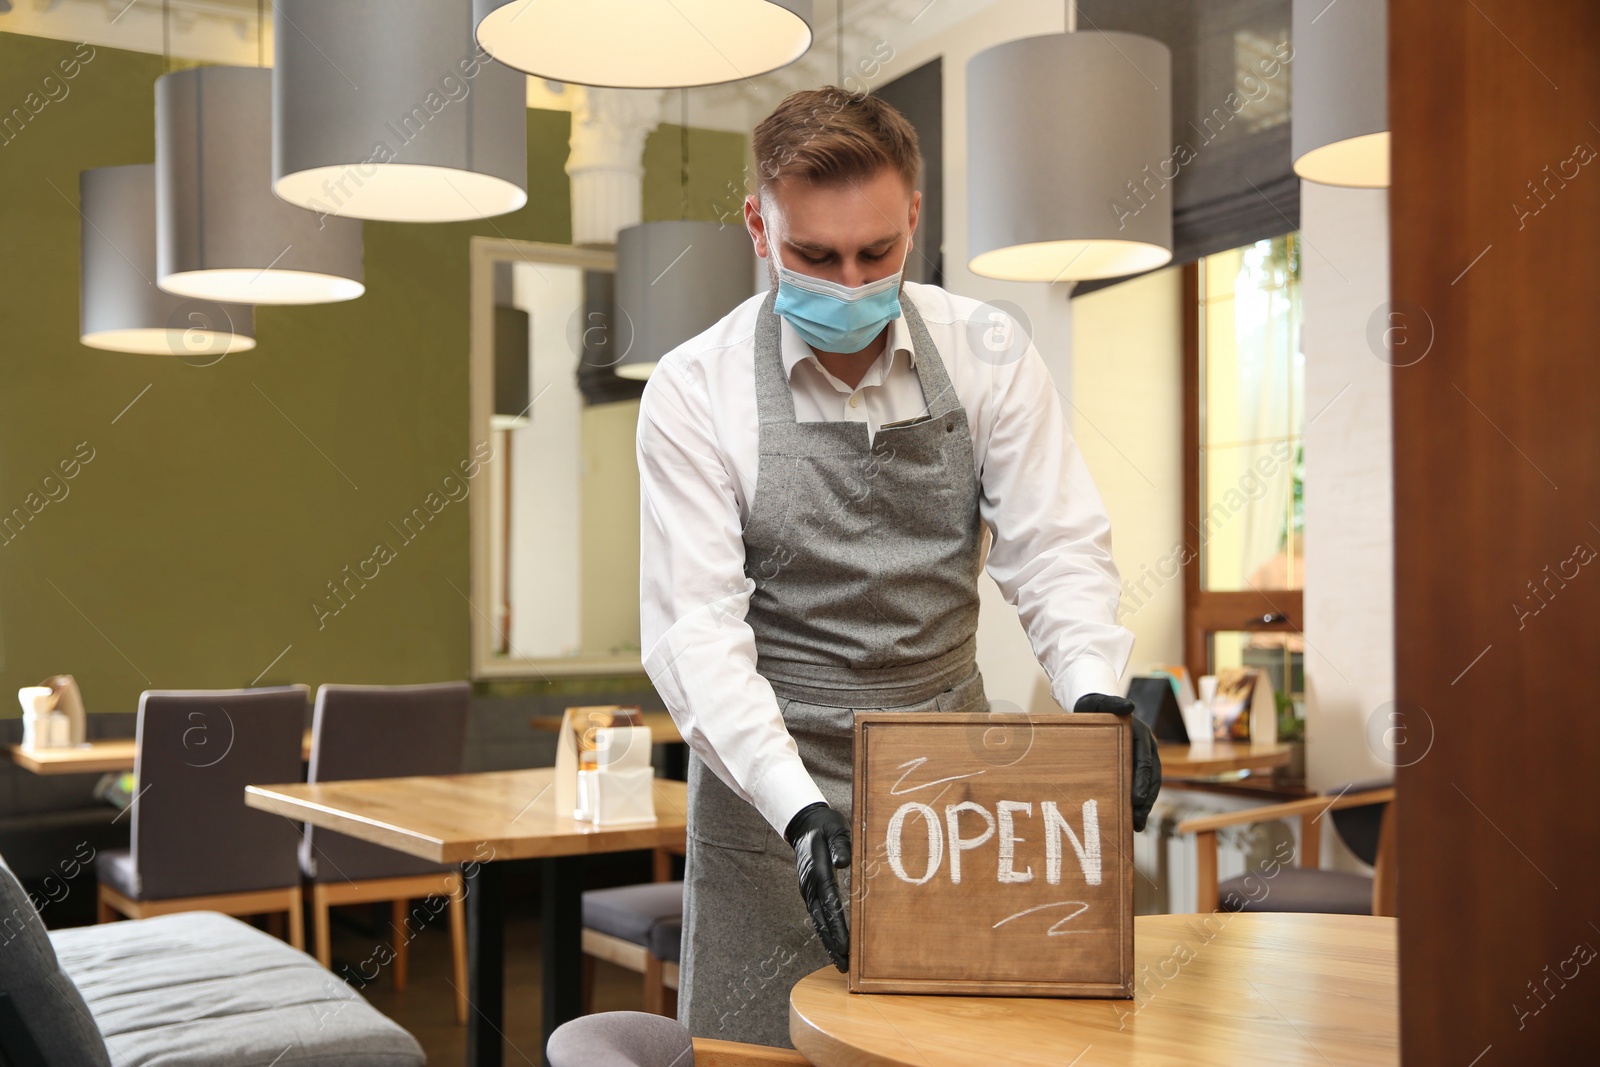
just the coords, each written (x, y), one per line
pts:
(485, 253)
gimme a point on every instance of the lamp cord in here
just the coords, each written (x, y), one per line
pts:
(166, 37)
(683, 148)
(261, 33)
(838, 35)
(1072, 16)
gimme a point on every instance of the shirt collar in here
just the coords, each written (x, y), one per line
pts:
(795, 350)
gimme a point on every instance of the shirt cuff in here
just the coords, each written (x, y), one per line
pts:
(783, 792)
(1086, 674)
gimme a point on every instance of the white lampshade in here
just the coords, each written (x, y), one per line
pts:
(675, 280)
(1340, 87)
(121, 308)
(221, 234)
(1061, 130)
(387, 109)
(645, 44)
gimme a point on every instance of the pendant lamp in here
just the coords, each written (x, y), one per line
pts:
(387, 109)
(676, 279)
(221, 234)
(1064, 135)
(645, 44)
(122, 309)
(1340, 86)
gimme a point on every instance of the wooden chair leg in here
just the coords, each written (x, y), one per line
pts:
(402, 944)
(1205, 871)
(104, 912)
(654, 989)
(297, 919)
(319, 925)
(458, 946)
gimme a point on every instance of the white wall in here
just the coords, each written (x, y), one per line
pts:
(1127, 388)
(1349, 597)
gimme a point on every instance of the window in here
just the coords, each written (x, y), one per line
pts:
(1244, 463)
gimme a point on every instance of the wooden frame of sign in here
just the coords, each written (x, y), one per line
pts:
(993, 855)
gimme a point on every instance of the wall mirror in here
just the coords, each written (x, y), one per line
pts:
(555, 527)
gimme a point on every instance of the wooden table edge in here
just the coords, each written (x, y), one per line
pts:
(821, 1047)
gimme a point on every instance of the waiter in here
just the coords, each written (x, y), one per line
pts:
(823, 476)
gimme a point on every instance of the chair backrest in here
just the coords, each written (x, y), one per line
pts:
(1358, 827)
(197, 750)
(389, 731)
(43, 1018)
(381, 731)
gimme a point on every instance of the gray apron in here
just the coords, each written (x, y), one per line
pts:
(865, 559)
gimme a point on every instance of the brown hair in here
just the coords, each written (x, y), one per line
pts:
(831, 135)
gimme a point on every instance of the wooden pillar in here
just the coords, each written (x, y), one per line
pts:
(1494, 211)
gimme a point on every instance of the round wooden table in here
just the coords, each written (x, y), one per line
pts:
(1313, 990)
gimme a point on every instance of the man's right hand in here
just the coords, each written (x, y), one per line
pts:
(821, 842)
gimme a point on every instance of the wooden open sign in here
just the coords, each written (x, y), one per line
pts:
(993, 855)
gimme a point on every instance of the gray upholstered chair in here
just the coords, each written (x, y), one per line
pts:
(196, 988)
(639, 1039)
(374, 731)
(637, 927)
(195, 845)
(1362, 814)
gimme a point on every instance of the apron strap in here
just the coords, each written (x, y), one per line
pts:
(775, 398)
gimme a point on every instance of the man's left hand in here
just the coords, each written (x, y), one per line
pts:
(1146, 759)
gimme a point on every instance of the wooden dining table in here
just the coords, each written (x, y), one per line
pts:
(1205, 759)
(95, 757)
(484, 822)
(1212, 990)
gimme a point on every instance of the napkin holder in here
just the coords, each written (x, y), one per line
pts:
(620, 787)
(577, 749)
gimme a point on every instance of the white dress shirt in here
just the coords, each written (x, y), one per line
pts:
(1050, 549)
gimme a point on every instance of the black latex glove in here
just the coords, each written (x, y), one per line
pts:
(1146, 760)
(821, 841)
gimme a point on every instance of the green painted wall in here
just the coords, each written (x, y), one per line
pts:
(189, 550)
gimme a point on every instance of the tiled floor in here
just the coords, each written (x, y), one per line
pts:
(426, 1007)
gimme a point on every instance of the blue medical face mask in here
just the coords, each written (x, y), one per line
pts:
(834, 317)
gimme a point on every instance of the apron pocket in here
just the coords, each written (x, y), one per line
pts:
(718, 817)
(725, 828)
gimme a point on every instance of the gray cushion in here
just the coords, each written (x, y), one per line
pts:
(200, 989)
(666, 939)
(630, 911)
(51, 1007)
(621, 1039)
(115, 869)
(1300, 890)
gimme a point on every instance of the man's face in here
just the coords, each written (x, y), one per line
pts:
(846, 232)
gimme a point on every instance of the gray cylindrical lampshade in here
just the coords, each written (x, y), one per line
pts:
(389, 110)
(1340, 86)
(121, 308)
(675, 280)
(1066, 135)
(221, 234)
(656, 45)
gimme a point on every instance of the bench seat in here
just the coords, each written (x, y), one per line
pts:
(205, 989)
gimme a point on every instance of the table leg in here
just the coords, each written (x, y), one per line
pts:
(561, 939)
(486, 963)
